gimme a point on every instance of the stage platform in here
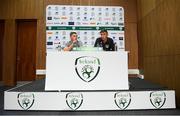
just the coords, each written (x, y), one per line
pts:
(141, 95)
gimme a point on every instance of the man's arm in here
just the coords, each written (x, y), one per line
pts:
(68, 48)
(80, 44)
(96, 42)
(112, 45)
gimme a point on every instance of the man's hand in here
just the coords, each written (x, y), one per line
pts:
(74, 41)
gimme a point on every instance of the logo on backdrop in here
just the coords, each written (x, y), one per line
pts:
(122, 99)
(87, 68)
(25, 100)
(74, 100)
(158, 99)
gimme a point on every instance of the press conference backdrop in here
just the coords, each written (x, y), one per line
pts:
(87, 21)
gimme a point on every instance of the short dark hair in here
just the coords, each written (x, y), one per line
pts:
(72, 33)
(103, 30)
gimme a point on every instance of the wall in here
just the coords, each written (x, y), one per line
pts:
(1, 46)
(159, 42)
(10, 10)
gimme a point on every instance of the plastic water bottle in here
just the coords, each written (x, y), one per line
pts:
(115, 46)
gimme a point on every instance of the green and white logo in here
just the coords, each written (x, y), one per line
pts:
(87, 68)
(122, 99)
(74, 100)
(25, 100)
(158, 99)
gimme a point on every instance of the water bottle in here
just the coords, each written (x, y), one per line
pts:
(115, 46)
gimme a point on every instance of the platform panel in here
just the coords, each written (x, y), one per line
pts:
(118, 100)
(135, 84)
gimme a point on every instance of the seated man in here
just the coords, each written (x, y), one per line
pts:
(73, 42)
(104, 41)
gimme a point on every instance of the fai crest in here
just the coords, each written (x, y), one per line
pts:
(122, 99)
(87, 67)
(158, 99)
(74, 100)
(25, 100)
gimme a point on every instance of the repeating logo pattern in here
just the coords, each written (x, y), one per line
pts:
(122, 99)
(87, 68)
(87, 21)
(26, 100)
(74, 100)
(158, 99)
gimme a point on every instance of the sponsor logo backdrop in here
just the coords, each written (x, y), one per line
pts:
(87, 21)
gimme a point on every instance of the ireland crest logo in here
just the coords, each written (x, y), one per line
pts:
(158, 99)
(25, 100)
(87, 68)
(74, 100)
(122, 99)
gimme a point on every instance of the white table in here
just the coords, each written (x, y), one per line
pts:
(86, 71)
